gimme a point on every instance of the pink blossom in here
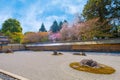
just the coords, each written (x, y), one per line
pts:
(55, 36)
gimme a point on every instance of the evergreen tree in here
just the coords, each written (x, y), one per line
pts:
(65, 21)
(42, 29)
(54, 28)
(60, 25)
(106, 11)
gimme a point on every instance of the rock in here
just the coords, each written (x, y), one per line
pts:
(90, 63)
(82, 53)
(60, 53)
(55, 53)
(9, 51)
(76, 53)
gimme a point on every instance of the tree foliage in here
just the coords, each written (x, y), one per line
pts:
(11, 25)
(104, 9)
(12, 29)
(31, 37)
(90, 29)
(42, 29)
(54, 36)
(66, 31)
(54, 28)
(107, 11)
(60, 25)
(16, 37)
(43, 36)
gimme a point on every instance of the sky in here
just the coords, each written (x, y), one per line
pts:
(32, 13)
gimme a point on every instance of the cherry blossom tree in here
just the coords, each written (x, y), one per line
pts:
(55, 36)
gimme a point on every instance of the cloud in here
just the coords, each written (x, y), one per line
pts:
(73, 7)
(32, 18)
(53, 17)
(29, 19)
(4, 15)
(31, 13)
(68, 6)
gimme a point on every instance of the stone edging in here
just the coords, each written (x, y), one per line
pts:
(13, 75)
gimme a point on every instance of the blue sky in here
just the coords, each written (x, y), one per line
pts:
(31, 13)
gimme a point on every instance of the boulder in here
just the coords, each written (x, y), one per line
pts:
(90, 63)
(55, 53)
(9, 51)
(60, 53)
(76, 53)
(81, 53)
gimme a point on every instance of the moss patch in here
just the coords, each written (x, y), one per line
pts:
(102, 70)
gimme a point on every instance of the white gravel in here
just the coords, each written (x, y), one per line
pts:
(44, 66)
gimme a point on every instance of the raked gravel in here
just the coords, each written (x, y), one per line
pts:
(41, 65)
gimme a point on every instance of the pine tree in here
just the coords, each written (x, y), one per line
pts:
(54, 28)
(42, 29)
(65, 21)
(60, 25)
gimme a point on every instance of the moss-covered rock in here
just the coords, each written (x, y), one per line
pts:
(104, 69)
(90, 63)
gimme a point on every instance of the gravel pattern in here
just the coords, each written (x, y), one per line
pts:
(45, 66)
